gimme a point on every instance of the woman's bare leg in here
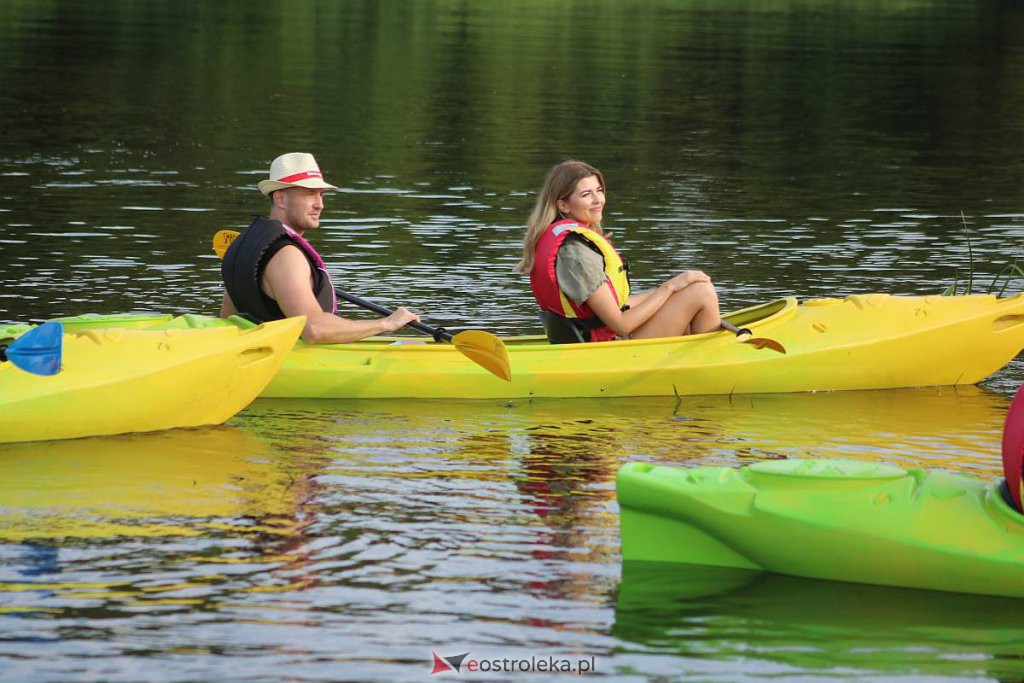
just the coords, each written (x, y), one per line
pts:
(692, 310)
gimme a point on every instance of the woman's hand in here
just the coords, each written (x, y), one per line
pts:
(687, 278)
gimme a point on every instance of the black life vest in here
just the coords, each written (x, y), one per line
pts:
(247, 258)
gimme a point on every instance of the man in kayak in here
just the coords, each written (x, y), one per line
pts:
(271, 272)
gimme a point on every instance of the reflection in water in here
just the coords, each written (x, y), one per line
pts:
(309, 517)
(929, 419)
(178, 482)
(951, 428)
(790, 625)
(67, 505)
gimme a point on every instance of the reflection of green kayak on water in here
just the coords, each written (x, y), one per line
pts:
(721, 617)
(827, 519)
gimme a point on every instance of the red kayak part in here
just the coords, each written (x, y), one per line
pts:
(1013, 447)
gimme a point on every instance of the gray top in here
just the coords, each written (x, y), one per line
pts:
(579, 269)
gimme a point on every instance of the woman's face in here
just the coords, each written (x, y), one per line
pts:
(586, 203)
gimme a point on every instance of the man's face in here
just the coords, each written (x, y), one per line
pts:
(302, 207)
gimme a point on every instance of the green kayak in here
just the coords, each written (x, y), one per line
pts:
(827, 519)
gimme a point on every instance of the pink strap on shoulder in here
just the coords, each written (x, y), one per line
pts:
(308, 248)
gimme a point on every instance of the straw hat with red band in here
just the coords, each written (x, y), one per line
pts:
(295, 169)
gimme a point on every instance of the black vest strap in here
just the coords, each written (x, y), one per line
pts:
(562, 330)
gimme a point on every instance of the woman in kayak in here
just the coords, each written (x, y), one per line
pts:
(580, 281)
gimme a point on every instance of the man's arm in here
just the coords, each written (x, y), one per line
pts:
(227, 306)
(287, 280)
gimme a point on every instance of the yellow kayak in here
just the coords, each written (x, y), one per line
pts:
(864, 341)
(873, 341)
(117, 380)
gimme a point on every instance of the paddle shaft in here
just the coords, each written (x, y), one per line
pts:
(438, 333)
(745, 336)
(735, 330)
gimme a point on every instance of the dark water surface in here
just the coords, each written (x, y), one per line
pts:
(809, 148)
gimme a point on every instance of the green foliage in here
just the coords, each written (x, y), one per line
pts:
(1006, 276)
(1010, 273)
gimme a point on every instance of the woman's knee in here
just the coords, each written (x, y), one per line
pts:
(703, 293)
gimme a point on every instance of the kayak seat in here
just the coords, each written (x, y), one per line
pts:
(562, 330)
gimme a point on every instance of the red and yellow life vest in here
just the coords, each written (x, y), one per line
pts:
(544, 282)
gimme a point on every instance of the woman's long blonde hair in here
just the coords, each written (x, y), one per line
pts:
(560, 183)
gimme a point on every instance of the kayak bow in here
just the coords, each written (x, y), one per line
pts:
(121, 380)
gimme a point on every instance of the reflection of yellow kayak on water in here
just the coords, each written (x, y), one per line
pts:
(181, 482)
(870, 341)
(956, 429)
(123, 380)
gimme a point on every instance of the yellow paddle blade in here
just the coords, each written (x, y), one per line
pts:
(222, 240)
(486, 350)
